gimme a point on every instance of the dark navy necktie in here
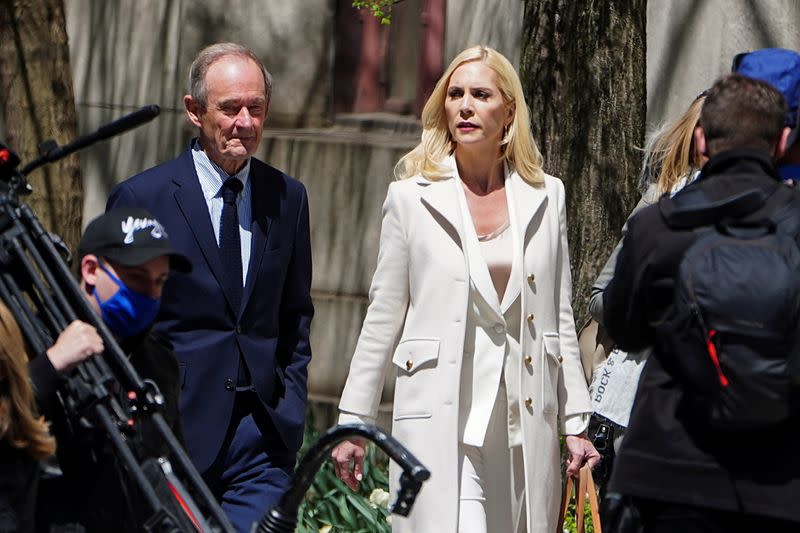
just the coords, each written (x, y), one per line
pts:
(229, 243)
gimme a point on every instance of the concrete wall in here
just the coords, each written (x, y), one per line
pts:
(496, 23)
(690, 43)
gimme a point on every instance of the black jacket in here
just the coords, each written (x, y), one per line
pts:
(92, 491)
(18, 483)
(669, 454)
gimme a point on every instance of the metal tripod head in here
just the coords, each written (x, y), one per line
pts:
(12, 182)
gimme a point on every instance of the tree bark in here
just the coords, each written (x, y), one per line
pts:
(39, 104)
(584, 74)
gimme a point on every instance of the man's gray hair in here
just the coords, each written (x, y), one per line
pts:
(212, 53)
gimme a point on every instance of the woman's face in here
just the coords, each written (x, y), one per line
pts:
(475, 110)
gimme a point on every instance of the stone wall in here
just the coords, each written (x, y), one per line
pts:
(497, 23)
(690, 43)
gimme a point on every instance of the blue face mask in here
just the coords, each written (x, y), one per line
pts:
(127, 313)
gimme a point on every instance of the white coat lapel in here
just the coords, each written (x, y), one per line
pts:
(440, 197)
(448, 201)
(524, 200)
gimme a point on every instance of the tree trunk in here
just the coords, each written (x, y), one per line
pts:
(584, 74)
(39, 104)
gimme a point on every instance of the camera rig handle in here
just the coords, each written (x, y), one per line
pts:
(282, 518)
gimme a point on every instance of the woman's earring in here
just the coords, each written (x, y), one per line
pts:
(507, 133)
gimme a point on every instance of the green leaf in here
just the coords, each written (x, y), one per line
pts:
(380, 9)
(331, 502)
(363, 507)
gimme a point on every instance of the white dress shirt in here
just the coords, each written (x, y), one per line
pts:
(211, 178)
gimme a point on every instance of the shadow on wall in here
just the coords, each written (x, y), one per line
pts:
(300, 74)
(501, 30)
(108, 87)
(698, 41)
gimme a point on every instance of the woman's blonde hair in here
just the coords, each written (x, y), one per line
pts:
(517, 147)
(20, 424)
(669, 154)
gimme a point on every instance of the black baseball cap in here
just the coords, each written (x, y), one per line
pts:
(130, 237)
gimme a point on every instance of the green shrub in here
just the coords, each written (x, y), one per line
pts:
(331, 507)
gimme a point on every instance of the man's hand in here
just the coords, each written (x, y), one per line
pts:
(76, 343)
(347, 453)
(581, 451)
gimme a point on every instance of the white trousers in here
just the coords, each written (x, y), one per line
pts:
(492, 493)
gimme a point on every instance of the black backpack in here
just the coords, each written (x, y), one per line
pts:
(731, 333)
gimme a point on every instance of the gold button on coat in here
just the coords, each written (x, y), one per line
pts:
(528, 403)
(528, 360)
(560, 359)
(531, 278)
(530, 318)
(409, 364)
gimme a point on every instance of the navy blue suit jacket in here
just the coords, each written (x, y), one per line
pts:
(272, 327)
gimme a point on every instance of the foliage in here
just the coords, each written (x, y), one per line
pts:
(381, 9)
(331, 507)
(570, 525)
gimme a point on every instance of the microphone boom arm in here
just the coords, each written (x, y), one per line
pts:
(52, 152)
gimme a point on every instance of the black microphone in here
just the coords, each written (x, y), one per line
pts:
(128, 122)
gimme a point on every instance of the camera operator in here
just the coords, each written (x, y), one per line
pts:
(125, 259)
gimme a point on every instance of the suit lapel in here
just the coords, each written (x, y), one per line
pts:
(265, 208)
(444, 199)
(193, 207)
(524, 201)
(440, 197)
(450, 201)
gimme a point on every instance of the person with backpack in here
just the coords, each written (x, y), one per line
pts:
(670, 163)
(710, 278)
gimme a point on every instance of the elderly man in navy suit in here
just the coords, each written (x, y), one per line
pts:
(240, 320)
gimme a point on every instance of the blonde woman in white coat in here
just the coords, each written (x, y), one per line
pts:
(470, 309)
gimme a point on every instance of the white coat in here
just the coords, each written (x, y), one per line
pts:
(415, 328)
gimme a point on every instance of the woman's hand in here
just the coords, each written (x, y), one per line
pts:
(77, 342)
(581, 451)
(347, 453)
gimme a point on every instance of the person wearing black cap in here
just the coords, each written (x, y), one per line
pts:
(125, 259)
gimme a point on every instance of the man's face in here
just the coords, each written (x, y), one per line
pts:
(236, 107)
(147, 278)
